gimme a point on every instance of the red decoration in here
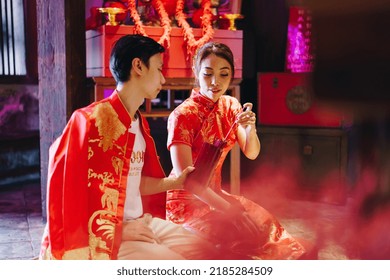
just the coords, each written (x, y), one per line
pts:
(192, 43)
(207, 28)
(94, 20)
(197, 17)
(114, 4)
(170, 7)
(165, 21)
(299, 51)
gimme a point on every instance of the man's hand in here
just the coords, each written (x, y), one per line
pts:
(183, 176)
(138, 230)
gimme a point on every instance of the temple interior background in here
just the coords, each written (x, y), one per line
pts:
(315, 72)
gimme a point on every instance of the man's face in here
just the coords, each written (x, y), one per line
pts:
(154, 78)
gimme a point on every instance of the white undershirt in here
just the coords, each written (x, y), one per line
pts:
(133, 203)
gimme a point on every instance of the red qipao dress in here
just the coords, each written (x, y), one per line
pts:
(198, 119)
(86, 189)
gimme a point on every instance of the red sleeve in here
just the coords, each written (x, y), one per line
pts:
(182, 128)
(67, 203)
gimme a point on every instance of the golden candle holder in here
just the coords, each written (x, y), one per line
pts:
(112, 12)
(232, 20)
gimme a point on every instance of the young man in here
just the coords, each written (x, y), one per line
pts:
(105, 163)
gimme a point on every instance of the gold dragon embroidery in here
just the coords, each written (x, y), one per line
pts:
(103, 221)
(109, 126)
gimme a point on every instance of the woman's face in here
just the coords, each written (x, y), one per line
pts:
(214, 76)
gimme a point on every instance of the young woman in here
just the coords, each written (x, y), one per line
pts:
(244, 229)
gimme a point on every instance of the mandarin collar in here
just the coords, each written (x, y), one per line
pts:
(203, 100)
(123, 114)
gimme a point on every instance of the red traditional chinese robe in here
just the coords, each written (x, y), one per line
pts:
(86, 189)
(198, 119)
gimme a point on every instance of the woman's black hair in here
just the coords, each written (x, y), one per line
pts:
(218, 49)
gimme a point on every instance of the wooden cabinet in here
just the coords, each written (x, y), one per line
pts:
(302, 138)
(314, 160)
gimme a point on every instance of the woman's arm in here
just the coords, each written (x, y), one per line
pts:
(181, 156)
(248, 139)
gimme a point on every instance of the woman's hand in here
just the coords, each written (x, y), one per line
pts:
(247, 117)
(138, 230)
(248, 139)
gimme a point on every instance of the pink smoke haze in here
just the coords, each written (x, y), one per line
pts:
(337, 213)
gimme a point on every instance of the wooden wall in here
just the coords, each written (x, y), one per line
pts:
(61, 69)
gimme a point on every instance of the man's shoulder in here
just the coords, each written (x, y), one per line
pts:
(89, 109)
